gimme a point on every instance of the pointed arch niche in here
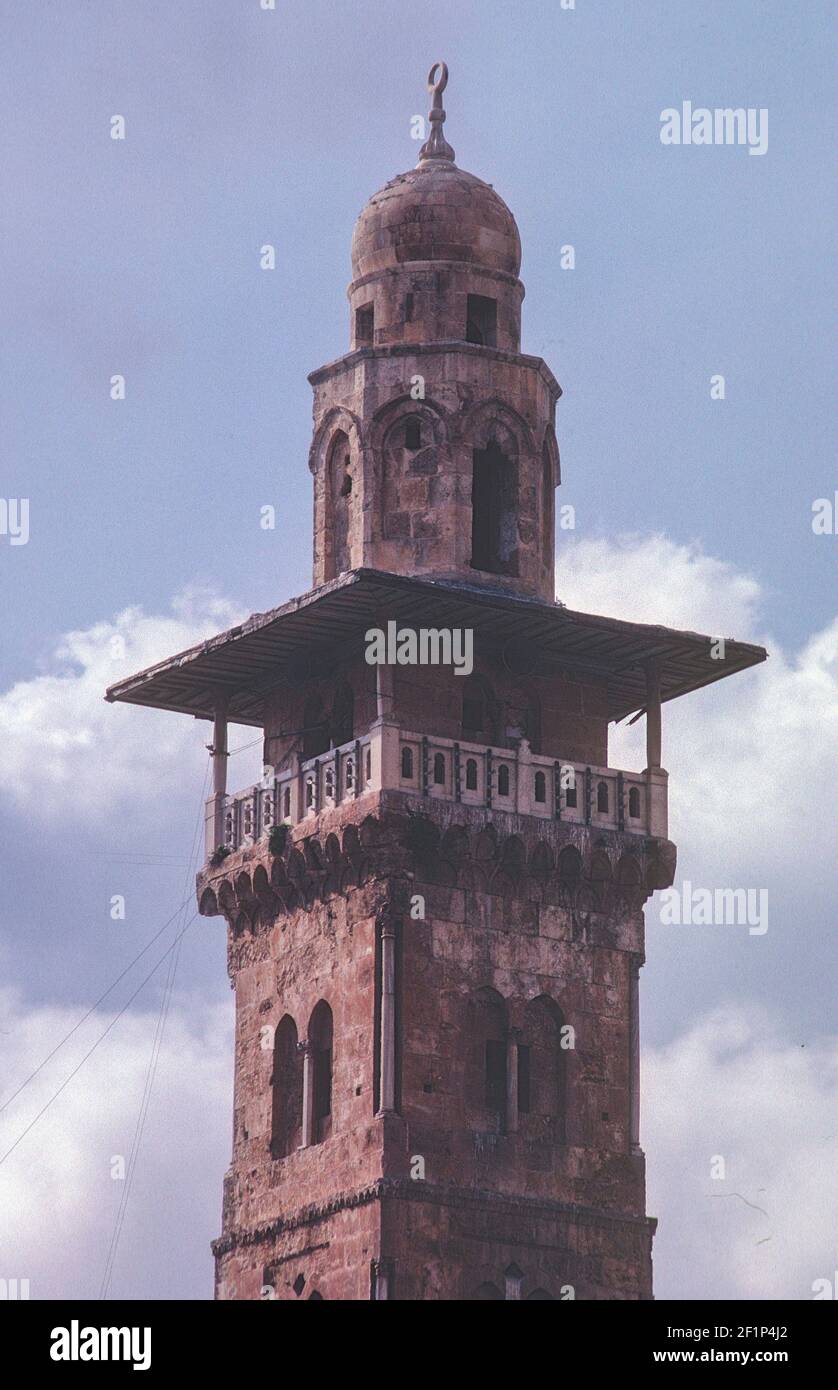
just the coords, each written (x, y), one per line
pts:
(411, 439)
(339, 505)
(495, 498)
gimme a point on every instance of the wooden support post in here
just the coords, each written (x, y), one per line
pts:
(217, 804)
(653, 714)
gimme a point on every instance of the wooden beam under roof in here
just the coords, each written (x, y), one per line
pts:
(249, 660)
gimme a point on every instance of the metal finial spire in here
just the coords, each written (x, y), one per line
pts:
(436, 146)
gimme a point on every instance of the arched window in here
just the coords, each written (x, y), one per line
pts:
(503, 780)
(413, 432)
(602, 797)
(287, 1085)
(471, 775)
(407, 763)
(314, 1296)
(494, 511)
(315, 728)
(478, 723)
(546, 1068)
(320, 1036)
(540, 1294)
(540, 787)
(634, 802)
(339, 501)
(439, 769)
(485, 1078)
(343, 716)
(487, 1293)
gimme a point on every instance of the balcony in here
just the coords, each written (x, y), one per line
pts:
(440, 769)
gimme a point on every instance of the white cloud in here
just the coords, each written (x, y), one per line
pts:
(734, 1085)
(738, 1086)
(65, 750)
(651, 579)
(58, 1197)
(748, 757)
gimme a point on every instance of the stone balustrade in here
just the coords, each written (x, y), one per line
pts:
(440, 769)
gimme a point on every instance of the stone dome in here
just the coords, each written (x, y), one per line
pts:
(435, 212)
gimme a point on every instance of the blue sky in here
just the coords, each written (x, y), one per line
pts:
(141, 257)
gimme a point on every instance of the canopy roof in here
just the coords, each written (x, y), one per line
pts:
(312, 634)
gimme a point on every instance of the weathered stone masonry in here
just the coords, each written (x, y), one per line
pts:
(434, 896)
(556, 915)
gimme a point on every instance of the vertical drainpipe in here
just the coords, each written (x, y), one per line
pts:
(635, 962)
(387, 1103)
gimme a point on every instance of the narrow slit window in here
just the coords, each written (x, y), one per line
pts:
(634, 802)
(602, 797)
(503, 780)
(482, 320)
(407, 763)
(471, 775)
(540, 787)
(320, 1038)
(494, 511)
(364, 324)
(408, 308)
(439, 769)
(413, 433)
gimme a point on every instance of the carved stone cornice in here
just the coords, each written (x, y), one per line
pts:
(440, 1194)
(591, 872)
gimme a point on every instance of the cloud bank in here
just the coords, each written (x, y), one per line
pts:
(57, 1193)
(760, 1223)
(67, 750)
(748, 759)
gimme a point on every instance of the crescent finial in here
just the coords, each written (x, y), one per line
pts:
(436, 146)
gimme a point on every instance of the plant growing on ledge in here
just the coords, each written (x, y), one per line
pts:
(219, 855)
(278, 838)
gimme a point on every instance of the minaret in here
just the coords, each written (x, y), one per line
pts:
(434, 897)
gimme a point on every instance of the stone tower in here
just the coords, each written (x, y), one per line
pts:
(434, 897)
